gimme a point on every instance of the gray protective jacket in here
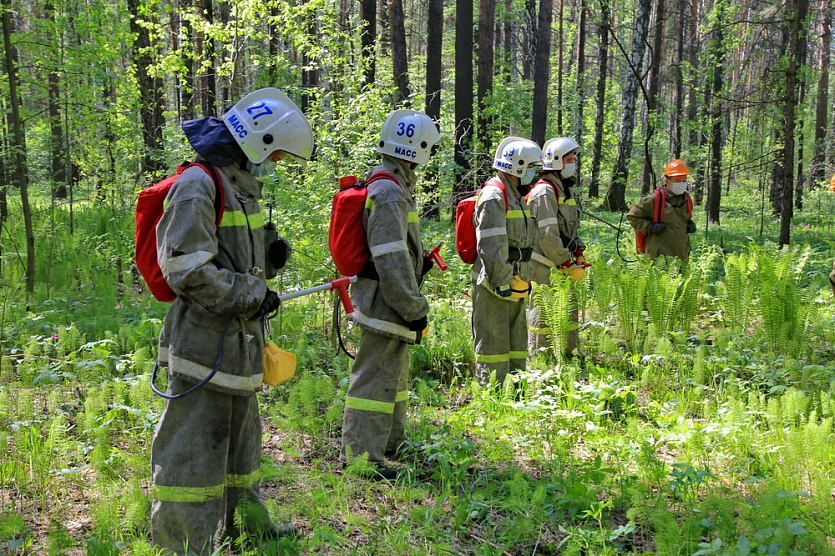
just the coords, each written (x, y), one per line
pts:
(498, 232)
(558, 220)
(390, 219)
(218, 276)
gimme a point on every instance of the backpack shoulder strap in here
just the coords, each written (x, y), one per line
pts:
(659, 206)
(496, 182)
(220, 197)
(381, 176)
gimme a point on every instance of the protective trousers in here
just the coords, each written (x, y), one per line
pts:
(205, 460)
(374, 420)
(539, 334)
(500, 335)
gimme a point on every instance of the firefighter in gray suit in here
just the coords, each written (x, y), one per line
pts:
(388, 306)
(206, 452)
(501, 274)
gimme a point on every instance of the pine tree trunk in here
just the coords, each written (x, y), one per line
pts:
(484, 85)
(717, 63)
(648, 182)
(541, 71)
(17, 142)
(600, 101)
(398, 50)
(822, 101)
(463, 95)
(368, 15)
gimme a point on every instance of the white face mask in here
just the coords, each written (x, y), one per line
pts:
(528, 177)
(569, 170)
(678, 187)
(261, 170)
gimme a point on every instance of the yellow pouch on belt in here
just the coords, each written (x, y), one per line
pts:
(519, 288)
(279, 365)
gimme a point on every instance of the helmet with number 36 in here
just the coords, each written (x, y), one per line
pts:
(265, 121)
(409, 135)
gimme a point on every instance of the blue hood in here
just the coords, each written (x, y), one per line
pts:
(210, 138)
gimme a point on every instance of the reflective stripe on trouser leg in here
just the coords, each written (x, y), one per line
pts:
(191, 465)
(500, 335)
(375, 405)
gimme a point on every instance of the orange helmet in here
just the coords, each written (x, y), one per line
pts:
(832, 182)
(676, 168)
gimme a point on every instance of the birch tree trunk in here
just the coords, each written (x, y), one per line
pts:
(615, 199)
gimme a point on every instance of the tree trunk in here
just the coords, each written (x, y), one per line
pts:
(17, 143)
(678, 104)
(368, 35)
(616, 195)
(209, 90)
(717, 66)
(484, 84)
(796, 28)
(56, 144)
(542, 69)
(821, 106)
(398, 51)
(581, 88)
(530, 35)
(600, 101)
(648, 182)
(150, 94)
(463, 95)
(434, 50)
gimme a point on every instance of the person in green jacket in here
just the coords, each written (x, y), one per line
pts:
(671, 235)
(388, 306)
(206, 451)
(501, 273)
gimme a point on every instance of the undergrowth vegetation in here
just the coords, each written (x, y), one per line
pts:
(697, 417)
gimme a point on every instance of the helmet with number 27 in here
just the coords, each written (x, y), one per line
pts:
(265, 121)
(409, 135)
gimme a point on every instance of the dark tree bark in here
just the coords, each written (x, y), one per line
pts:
(581, 73)
(530, 45)
(615, 199)
(56, 144)
(463, 95)
(717, 67)
(398, 51)
(656, 55)
(151, 97)
(541, 71)
(209, 89)
(368, 35)
(310, 75)
(17, 141)
(600, 101)
(560, 65)
(797, 10)
(189, 94)
(822, 101)
(678, 103)
(434, 49)
(484, 79)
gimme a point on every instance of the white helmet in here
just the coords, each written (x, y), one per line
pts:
(267, 120)
(515, 154)
(555, 150)
(410, 135)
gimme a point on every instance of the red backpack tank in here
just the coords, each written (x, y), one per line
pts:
(465, 237)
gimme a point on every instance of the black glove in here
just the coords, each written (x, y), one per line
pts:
(279, 252)
(504, 290)
(269, 305)
(691, 227)
(428, 263)
(418, 325)
(656, 228)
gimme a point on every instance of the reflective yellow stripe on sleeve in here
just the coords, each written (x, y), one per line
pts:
(369, 405)
(413, 217)
(402, 396)
(518, 214)
(232, 218)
